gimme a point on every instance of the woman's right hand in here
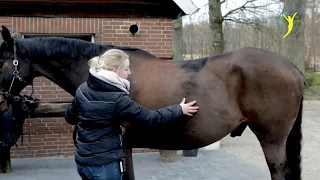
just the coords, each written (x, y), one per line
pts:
(188, 108)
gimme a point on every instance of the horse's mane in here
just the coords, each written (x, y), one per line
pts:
(66, 47)
(194, 65)
(76, 49)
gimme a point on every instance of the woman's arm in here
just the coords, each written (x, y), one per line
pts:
(130, 111)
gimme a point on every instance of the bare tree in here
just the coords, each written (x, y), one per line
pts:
(311, 40)
(216, 19)
(259, 31)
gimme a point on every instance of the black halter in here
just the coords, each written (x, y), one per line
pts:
(16, 75)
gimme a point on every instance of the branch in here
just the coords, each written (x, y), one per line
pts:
(240, 21)
(199, 8)
(241, 8)
(237, 9)
(223, 1)
(260, 6)
(255, 24)
(204, 5)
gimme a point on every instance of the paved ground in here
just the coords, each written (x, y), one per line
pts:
(247, 146)
(209, 165)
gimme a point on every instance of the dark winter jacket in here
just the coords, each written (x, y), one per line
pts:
(98, 109)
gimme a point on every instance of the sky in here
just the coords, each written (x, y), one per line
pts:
(227, 6)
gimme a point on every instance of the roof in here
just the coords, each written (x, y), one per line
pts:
(171, 9)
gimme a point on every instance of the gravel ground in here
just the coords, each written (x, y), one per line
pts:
(247, 146)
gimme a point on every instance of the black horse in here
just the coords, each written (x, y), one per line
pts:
(249, 86)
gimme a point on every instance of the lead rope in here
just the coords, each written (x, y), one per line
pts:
(29, 119)
(29, 144)
(123, 130)
(25, 108)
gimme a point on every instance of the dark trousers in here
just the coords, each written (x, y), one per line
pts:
(109, 171)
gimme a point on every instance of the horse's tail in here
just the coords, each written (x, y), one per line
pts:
(293, 149)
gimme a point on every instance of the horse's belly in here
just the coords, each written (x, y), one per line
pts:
(168, 141)
(196, 134)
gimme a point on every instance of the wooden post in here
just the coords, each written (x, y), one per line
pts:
(177, 39)
(50, 110)
(43, 110)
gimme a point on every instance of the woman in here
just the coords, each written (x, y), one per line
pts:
(98, 109)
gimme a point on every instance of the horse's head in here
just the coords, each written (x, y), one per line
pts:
(14, 75)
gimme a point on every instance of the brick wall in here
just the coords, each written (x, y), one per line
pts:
(155, 35)
(52, 136)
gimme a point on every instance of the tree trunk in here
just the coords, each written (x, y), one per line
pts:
(293, 44)
(312, 40)
(215, 19)
(191, 40)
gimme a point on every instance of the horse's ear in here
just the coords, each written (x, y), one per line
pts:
(6, 36)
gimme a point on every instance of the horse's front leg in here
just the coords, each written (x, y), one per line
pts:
(129, 174)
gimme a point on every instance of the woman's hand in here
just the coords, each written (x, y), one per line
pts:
(188, 108)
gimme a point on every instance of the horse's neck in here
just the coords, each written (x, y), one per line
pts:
(75, 71)
(69, 77)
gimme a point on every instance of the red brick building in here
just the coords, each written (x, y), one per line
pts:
(96, 21)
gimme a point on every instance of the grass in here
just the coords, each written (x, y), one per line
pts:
(312, 90)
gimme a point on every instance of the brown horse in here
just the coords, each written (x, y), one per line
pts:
(249, 86)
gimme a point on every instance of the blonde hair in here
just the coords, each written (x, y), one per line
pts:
(113, 58)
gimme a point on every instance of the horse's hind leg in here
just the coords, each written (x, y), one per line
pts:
(275, 154)
(282, 149)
